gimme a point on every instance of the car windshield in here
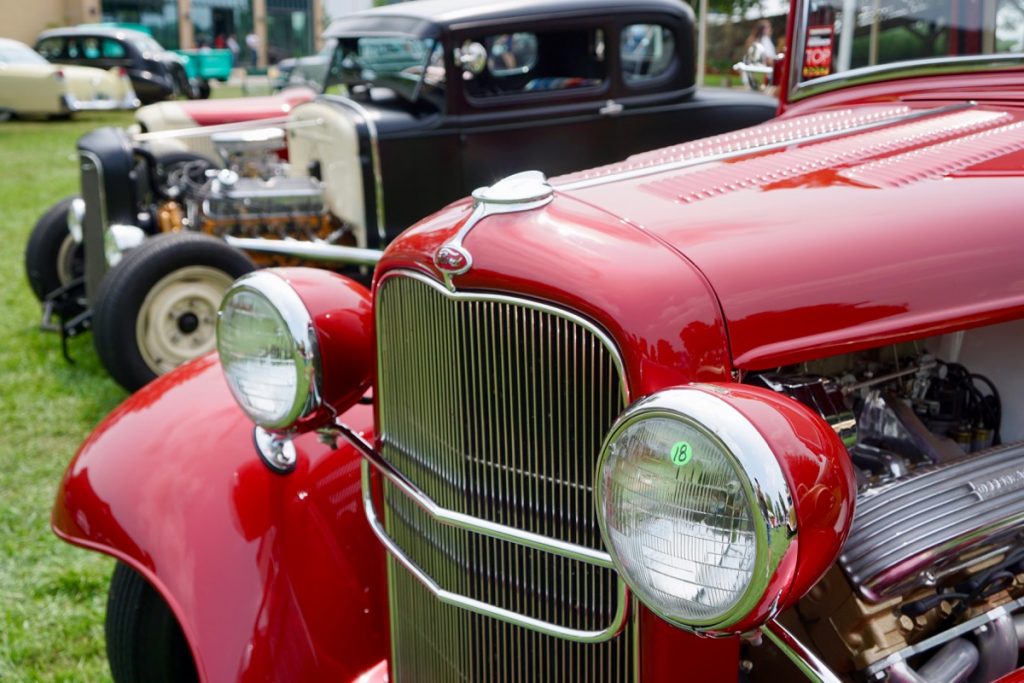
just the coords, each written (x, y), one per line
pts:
(12, 53)
(846, 35)
(146, 44)
(411, 67)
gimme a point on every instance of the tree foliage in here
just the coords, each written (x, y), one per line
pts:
(733, 8)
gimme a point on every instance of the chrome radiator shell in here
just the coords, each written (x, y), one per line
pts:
(495, 407)
(916, 530)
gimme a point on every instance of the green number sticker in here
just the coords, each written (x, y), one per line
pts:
(682, 453)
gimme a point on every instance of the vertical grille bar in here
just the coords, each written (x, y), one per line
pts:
(495, 407)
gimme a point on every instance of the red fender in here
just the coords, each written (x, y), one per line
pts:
(272, 577)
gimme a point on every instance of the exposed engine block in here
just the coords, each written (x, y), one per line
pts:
(278, 207)
(930, 583)
(253, 197)
(924, 527)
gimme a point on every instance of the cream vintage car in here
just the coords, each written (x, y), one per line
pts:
(31, 85)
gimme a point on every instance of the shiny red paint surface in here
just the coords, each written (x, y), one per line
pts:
(658, 310)
(810, 263)
(273, 578)
(691, 273)
(821, 480)
(342, 315)
(235, 109)
(671, 655)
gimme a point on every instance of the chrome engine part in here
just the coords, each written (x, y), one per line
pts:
(251, 153)
(930, 584)
(278, 217)
(277, 208)
(931, 523)
(230, 197)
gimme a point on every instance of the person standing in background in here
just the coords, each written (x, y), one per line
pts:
(252, 41)
(232, 45)
(761, 35)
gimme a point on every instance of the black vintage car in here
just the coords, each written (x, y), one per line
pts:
(156, 74)
(423, 102)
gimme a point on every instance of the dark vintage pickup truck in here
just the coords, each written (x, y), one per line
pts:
(424, 101)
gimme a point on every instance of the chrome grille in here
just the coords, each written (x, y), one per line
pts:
(495, 407)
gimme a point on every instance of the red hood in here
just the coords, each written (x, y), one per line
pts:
(905, 227)
(235, 109)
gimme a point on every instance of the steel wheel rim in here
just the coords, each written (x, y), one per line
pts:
(159, 334)
(66, 260)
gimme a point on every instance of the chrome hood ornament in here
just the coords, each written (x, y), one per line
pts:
(519, 192)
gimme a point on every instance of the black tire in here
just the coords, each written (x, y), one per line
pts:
(157, 308)
(51, 256)
(180, 84)
(202, 89)
(145, 643)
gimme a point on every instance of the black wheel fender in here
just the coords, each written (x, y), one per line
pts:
(145, 643)
(51, 255)
(157, 308)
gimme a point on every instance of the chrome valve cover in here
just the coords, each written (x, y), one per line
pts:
(935, 521)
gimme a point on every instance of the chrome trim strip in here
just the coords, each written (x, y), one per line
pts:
(725, 156)
(616, 625)
(467, 522)
(798, 653)
(905, 69)
(378, 176)
(313, 251)
(944, 637)
(799, 47)
(203, 131)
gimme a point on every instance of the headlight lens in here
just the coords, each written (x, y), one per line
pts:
(118, 239)
(693, 537)
(267, 346)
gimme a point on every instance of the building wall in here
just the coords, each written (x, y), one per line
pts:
(38, 15)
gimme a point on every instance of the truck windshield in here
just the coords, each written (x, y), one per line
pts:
(848, 35)
(412, 67)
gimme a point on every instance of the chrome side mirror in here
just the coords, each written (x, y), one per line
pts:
(471, 58)
(756, 67)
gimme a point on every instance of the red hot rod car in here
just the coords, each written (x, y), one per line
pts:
(748, 408)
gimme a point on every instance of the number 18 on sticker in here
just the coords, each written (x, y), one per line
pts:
(682, 453)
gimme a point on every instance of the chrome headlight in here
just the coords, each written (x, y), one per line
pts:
(76, 218)
(120, 238)
(694, 509)
(268, 349)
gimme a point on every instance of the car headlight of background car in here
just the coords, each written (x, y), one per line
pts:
(722, 504)
(295, 345)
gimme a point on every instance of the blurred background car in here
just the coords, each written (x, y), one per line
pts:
(202, 65)
(31, 85)
(310, 71)
(156, 74)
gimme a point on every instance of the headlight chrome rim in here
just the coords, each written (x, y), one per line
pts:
(770, 504)
(286, 302)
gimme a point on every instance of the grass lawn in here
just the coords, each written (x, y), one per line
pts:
(52, 595)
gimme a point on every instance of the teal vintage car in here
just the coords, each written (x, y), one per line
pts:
(207, 64)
